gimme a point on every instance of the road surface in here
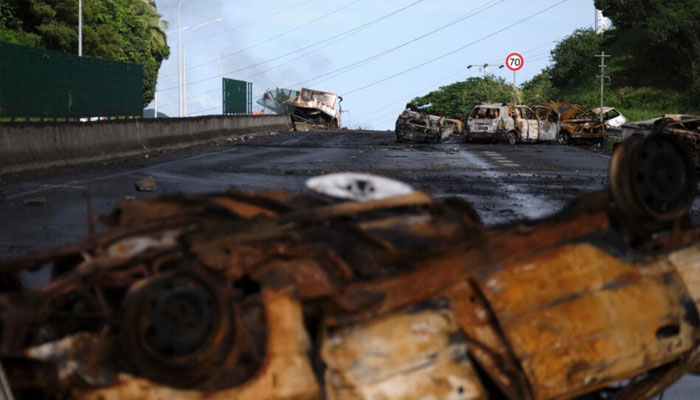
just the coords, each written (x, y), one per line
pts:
(504, 183)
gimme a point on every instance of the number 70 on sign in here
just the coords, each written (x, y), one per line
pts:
(514, 61)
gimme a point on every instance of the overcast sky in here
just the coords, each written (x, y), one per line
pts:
(378, 55)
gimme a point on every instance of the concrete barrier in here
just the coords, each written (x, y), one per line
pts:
(39, 145)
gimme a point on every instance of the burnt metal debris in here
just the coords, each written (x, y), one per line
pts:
(417, 125)
(282, 296)
(309, 109)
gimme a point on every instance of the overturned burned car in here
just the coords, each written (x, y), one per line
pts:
(573, 122)
(386, 294)
(419, 125)
(309, 109)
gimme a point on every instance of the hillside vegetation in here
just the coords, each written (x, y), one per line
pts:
(121, 30)
(654, 67)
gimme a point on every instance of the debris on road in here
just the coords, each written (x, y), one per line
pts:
(147, 184)
(35, 201)
(287, 296)
(419, 125)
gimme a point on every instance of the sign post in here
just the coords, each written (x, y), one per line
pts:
(514, 61)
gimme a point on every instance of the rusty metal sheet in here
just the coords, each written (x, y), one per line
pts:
(369, 360)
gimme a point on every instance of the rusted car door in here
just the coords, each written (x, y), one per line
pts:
(548, 121)
(532, 132)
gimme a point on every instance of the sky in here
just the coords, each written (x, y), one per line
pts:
(377, 55)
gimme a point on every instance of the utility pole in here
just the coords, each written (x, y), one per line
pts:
(179, 64)
(80, 28)
(602, 56)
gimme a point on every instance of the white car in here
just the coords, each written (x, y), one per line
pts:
(612, 117)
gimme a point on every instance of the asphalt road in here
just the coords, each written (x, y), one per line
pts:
(504, 183)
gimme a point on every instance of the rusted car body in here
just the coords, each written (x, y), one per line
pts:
(282, 296)
(512, 123)
(687, 129)
(310, 109)
(417, 125)
(574, 123)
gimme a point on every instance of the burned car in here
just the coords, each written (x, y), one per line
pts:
(611, 116)
(687, 129)
(308, 108)
(419, 125)
(387, 294)
(573, 122)
(511, 123)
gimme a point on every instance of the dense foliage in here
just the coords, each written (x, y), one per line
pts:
(457, 99)
(122, 30)
(671, 29)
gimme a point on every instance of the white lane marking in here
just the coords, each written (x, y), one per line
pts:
(501, 159)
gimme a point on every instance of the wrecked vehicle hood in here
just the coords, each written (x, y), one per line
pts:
(278, 295)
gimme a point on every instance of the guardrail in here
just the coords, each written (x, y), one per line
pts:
(39, 145)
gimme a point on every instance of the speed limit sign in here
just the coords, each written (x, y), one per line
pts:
(514, 61)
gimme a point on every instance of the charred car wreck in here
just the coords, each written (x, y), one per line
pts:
(574, 123)
(419, 125)
(309, 109)
(401, 296)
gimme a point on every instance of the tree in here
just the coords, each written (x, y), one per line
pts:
(673, 28)
(121, 30)
(539, 89)
(457, 99)
(573, 53)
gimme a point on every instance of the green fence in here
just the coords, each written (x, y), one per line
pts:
(237, 96)
(37, 83)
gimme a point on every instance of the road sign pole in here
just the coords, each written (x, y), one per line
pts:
(515, 90)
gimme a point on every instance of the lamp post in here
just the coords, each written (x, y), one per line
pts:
(184, 70)
(179, 65)
(80, 28)
(485, 67)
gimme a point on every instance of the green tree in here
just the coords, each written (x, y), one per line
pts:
(457, 99)
(539, 89)
(121, 30)
(572, 55)
(673, 29)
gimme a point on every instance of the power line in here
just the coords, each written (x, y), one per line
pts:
(338, 37)
(455, 50)
(254, 21)
(461, 18)
(246, 24)
(268, 40)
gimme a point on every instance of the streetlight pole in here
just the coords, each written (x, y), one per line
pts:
(80, 28)
(485, 67)
(179, 64)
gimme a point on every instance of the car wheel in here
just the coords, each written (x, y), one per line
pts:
(563, 137)
(511, 137)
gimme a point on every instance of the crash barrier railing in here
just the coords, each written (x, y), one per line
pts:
(38, 145)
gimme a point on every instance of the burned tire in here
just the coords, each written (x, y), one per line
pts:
(511, 137)
(653, 178)
(563, 137)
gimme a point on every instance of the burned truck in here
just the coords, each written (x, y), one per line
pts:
(415, 124)
(309, 109)
(372, 293)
